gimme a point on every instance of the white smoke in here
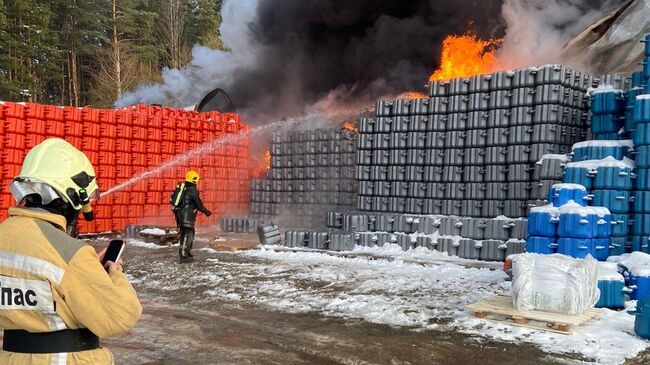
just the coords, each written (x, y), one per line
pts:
(208, 68)
(537, 30)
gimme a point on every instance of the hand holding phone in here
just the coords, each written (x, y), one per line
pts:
(113, 252)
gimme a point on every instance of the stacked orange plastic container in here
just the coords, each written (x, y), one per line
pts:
(126, 143)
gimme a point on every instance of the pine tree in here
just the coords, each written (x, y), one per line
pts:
(206, 22)
(30, 52)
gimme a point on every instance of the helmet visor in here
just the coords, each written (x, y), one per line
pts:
(22, 187)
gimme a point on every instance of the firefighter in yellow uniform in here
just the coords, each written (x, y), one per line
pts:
(56, 299)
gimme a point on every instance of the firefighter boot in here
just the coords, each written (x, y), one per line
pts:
(189, 242)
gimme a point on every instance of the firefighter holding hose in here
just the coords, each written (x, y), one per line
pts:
(186, 201)
(56, 298)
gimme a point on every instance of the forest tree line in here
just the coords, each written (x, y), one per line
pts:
(89, 52)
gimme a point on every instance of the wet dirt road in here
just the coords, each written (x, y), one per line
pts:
(181, 324)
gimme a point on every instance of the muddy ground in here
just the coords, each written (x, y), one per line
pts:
(183, 324)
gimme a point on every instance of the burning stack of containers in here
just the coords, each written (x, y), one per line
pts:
(311, 172)
(470, 149)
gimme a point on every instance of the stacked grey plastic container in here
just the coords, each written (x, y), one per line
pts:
(548, 171)
(471, 148)
(471, 238)
(311, 172)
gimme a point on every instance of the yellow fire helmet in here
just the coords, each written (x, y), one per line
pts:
(56, 164)
(192, 176)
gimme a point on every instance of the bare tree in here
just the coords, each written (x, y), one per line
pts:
(172, 31)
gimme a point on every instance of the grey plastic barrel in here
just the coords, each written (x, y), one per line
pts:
(447, 245)
(269, 234)
(493, 250)
(469, 249)
(473, 228)
(501, 80)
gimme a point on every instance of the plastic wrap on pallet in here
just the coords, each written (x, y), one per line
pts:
(554, 283)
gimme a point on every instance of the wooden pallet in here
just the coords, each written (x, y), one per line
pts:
(499, 308)
(166, 239)
(234, 246)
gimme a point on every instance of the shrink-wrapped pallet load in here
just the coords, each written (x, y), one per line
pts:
(554, 283)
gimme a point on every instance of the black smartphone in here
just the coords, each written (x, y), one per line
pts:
(114, 251)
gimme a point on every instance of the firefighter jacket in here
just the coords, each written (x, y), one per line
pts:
(51, 282)
(189, 202)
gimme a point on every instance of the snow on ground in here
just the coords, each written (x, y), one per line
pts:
(419, 288)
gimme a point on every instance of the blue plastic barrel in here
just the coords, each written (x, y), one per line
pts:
(612, 294)
(541, 245)
(597, 150)
(560, 194)
(641, 202)
(620, 226)
(641, 225)
(640, 285)
(574, 247)
(642, 108)
(617, 245)
(642, 317)
(640, 243)
(576, 222)
(607, 101)
(606, 123)
(642, 181)
(543, 221)
(575, 174)
(642, 157)
(641, 135)
(604, 223)
(613, 175)
(617, 201)
(630, 121)
(637, 80)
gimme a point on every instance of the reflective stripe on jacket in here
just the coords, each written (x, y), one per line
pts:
(50, 281)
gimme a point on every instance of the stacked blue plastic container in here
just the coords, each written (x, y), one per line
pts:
(568, 226)
(605, 169)
(641, 207)
(607, 113)
(640, 130)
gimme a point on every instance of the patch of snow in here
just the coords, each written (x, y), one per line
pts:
(604, 89)
(154, 231)
(608, 161)
(608, 271)
(571, 207)
(144, 244)
(568, 186)
(563, 158)
(208, 250)
(604, 143)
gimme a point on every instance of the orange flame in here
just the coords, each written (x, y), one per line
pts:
(411, 95)
(466, 55)
(349, 126)
(267, 160)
